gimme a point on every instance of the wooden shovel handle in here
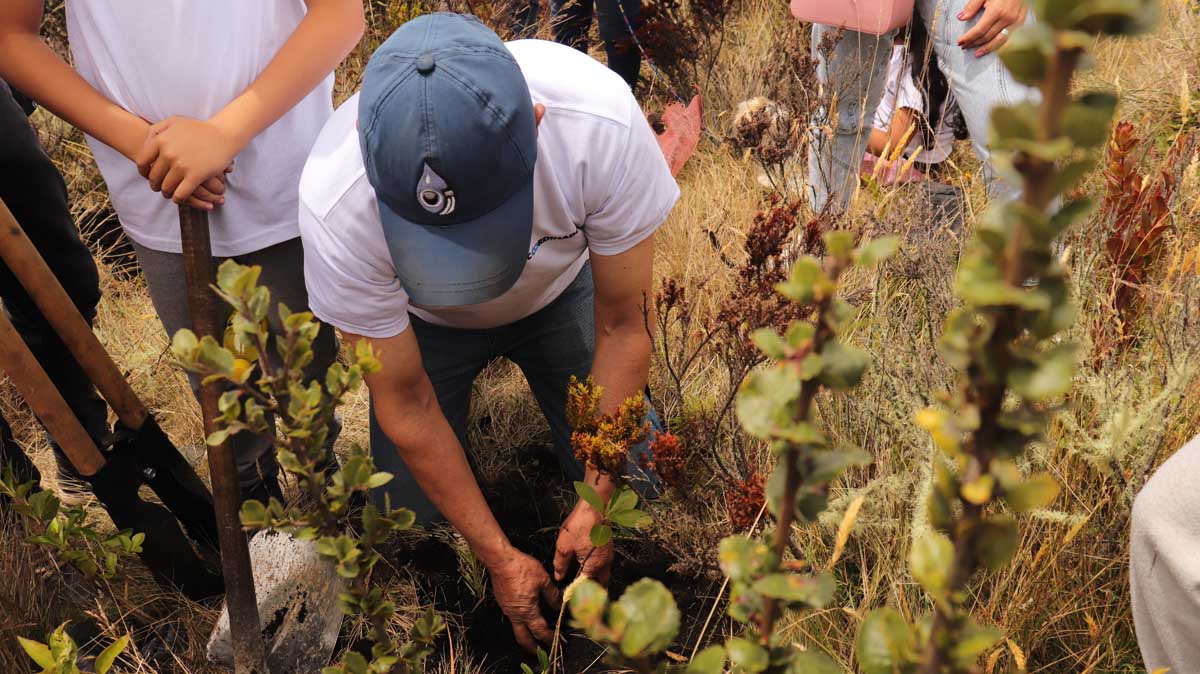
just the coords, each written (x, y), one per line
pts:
(45, 400)
(245, 628)
(22, 257)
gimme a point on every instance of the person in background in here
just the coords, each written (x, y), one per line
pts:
(965, 35)
(214, 104)
(523, 23)
(1164, 564)
(901, 116)
(35, 193)
(914, 86)
(618, 21)
(480, 200)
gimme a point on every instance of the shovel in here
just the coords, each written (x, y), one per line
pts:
(289, 601)
(160, 465)
(114, 479)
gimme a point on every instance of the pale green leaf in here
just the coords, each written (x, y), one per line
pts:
(746, 656)
(646, 617)
(39, 652)
(1035, 493)
(931, 560)
(108, 656)
(708, 661)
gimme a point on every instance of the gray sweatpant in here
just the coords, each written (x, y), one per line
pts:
(1164, 564)
(283, 274)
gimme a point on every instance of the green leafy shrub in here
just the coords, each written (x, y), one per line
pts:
(304, 412)
(774, 405)
(1006, 343)
(67, 532)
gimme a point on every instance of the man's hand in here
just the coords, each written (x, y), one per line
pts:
(186, 159)
(991, 32)
(518, 582)
(575, 545)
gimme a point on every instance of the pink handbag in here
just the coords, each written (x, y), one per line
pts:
(865, 16)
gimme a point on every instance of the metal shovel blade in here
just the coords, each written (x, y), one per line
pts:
(114, 479)
(297, 595)
(165, 470)
(166, 551)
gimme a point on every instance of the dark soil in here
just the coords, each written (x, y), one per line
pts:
(530, 507)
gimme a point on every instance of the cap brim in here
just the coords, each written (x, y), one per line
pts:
(464, 263)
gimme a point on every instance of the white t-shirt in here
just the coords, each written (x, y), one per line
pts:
(158, 58)
(601, 184)
(902, 92)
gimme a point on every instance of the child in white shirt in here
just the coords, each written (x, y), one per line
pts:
(914, 86)
(213, 104)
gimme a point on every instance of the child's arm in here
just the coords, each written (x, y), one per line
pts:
(899, 133)
(181, 153)
(32, 67)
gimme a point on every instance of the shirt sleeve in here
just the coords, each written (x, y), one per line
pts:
(908, 95)
(887, 103)
(350, 286)
(639, 190)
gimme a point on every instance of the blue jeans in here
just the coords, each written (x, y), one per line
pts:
(573, 21)
(856, 74)
(550, 347)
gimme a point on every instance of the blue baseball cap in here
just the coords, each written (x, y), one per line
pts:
(449, 141)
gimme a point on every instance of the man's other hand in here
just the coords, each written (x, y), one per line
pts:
(575, 545)
(518, 582)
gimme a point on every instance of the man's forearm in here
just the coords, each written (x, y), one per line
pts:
(433, 455)
(621, 367)
(27, 64)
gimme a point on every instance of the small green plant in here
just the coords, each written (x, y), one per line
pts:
(604, 442)
(60, 655)
(304, 412)
(543, 665)
(1006, 343)
(620, 512)
(775, 405)
(67, 532)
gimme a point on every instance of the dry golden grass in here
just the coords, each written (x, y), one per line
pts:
(1063, 603)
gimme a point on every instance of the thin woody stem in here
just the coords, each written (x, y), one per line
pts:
(984, 393)
(782, 536)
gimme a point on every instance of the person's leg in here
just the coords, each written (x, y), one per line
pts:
(979, 84)
(34, 191)
(452, 359)
(853, 80)
(618, 19)
(257, 470)
(550, 347)
(524, 19)
(572, 19)
(947, 204)
(1164, 568)
(283, 274)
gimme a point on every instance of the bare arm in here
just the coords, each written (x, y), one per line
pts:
(184, 152)
(898, 135)
(28, 64)
(621, 366)
(408, 412)
(622, 361)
